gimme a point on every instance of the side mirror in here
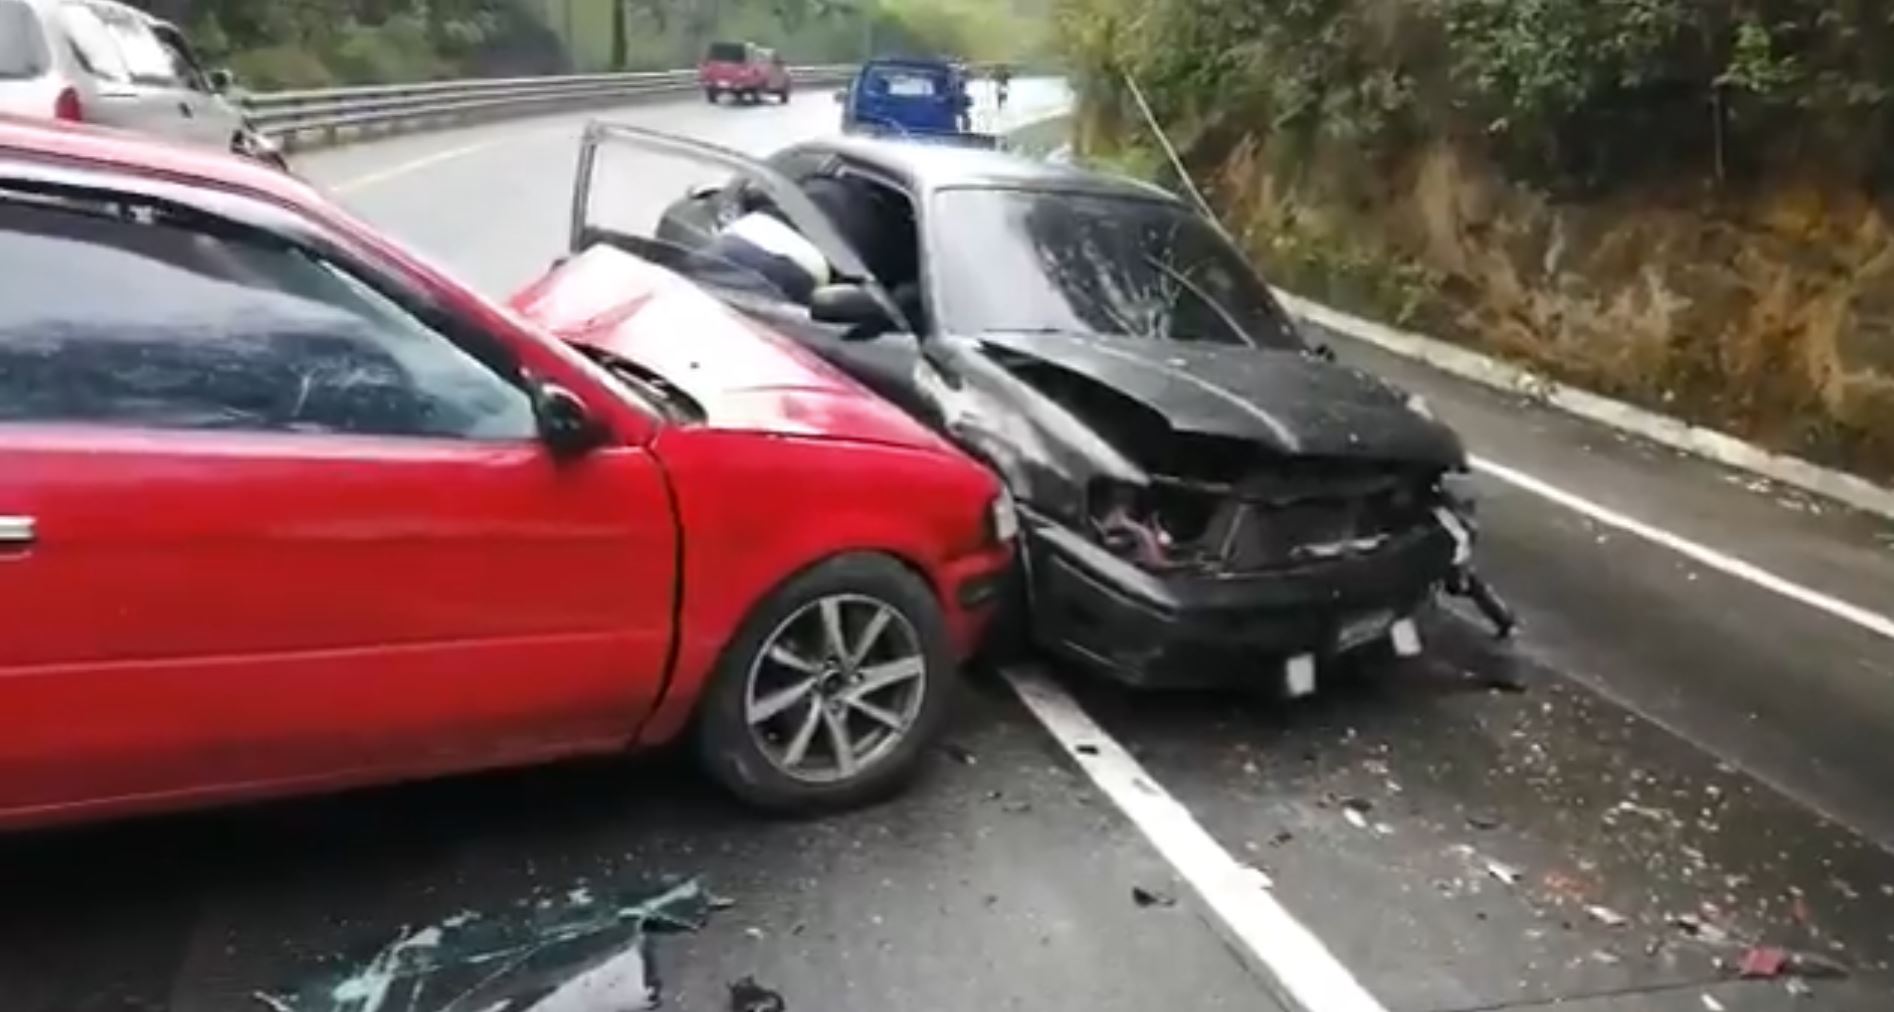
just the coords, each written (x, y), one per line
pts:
(565, 426)
(222, 80)
(854, 305)
(703, 190)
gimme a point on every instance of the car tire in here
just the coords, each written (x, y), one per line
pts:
(782, 97)
(1009, 634)
(788, 760)
(711, 95)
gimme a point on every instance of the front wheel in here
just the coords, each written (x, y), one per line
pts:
(783, 96)
(832, 690)
(710, 95)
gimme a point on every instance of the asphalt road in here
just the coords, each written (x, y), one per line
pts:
(1697, 764)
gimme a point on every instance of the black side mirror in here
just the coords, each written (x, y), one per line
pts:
(222, 80)
(854, 305)
(565, 426)
(702, 190)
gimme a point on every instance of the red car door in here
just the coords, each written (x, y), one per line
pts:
(260, 525)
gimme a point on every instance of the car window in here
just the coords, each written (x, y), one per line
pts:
(22, 45)
(183, 66)
(92, 44)
(726, 52)
(215, 331)
(906, 84)
(145, 57)
(1080, 263)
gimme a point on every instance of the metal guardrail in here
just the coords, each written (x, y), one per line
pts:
(289, 116)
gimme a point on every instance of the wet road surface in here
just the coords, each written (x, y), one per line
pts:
(1696, 765)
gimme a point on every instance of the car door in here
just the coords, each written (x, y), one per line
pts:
(268, 517)
(211, 119)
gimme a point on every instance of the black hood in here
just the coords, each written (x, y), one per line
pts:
(1286, 401)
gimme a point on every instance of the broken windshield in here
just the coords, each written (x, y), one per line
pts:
(1087, 263)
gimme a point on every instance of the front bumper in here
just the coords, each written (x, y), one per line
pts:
(1191, 631)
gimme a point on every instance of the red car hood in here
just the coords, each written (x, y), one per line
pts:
(745, 376)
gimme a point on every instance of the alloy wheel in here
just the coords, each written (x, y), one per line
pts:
(835, 688)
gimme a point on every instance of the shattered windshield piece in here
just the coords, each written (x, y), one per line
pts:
(1077, 263)
(583, 953)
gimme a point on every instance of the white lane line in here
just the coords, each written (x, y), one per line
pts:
(403, 168)
(1287, 955)
(1880, 625)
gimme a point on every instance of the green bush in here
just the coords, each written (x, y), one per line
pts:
(1591, 94)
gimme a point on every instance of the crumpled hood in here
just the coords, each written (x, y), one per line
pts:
(1291, 403)
(744, 376)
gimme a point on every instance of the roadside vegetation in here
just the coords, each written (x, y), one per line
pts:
(1681, 202)
(323, 43)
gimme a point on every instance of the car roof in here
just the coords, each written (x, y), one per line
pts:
(925, 168)
(28, 141)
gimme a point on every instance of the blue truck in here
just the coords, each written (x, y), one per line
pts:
(911, 97)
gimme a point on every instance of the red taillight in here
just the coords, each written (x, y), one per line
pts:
(68, 108)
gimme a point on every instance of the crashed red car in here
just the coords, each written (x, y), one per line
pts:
(284, 509)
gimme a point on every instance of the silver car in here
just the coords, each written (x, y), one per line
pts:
(100, 61)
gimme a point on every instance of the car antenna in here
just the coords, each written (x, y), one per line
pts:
(1170, 152)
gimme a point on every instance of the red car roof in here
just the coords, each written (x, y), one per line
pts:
(117, 149)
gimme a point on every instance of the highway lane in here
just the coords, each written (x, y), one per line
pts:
(1485, 823)
(1793, 696)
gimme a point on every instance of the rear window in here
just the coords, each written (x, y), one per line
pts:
(727, 52)
(908, 83)
(22, 45)
(146, 57)
(92, 44)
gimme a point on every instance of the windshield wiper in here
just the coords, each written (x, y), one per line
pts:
(649, 383)
(1195, 289)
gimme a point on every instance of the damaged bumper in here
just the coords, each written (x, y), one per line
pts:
(1186, 630)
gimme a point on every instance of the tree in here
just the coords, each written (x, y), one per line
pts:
(621, 42)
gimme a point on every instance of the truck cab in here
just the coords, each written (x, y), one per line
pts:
(910, 97)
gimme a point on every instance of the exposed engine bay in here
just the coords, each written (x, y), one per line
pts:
(1214, 506)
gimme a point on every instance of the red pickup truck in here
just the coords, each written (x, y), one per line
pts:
(744, 71)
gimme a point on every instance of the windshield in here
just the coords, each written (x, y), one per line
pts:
(1111, 265)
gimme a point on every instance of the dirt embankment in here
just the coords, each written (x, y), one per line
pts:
(1768, 313)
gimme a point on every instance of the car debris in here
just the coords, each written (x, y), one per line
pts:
(1798, 987)
(590, 953)
(1763, 961)
(1710, 1003)
(1606, 916)
(1700, 929)
(1504, 872)
(1151, 898)
(747, 995)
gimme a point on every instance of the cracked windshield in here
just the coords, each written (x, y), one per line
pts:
(939, 505)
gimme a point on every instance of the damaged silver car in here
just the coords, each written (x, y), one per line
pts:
(1204, 497)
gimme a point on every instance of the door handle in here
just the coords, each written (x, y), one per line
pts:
(185, 108)
(17, 531)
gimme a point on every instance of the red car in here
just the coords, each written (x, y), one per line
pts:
(284, 509)
(743, 71)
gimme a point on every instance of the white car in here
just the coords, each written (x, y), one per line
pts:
(100, 61)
